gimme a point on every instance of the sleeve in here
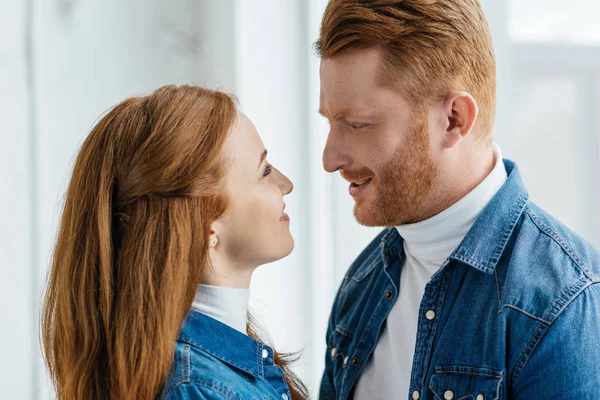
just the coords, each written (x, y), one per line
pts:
(327, 388)
(565, 364)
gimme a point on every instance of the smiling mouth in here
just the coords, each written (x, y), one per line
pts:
(356, 188)
(360, 183)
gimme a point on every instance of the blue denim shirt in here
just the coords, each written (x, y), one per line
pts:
(517, 311)
(215, 361)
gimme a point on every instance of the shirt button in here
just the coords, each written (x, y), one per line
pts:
(416, 395)
(448, 395)
(430, 315)
(333, 352)
(284, 396)
(355, 361)
(265, 353)
(480, 397)
(346, 360)
(389, 294)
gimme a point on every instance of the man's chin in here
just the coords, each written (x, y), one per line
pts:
(371, 216)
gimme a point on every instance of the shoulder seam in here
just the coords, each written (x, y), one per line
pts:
(544, 325)
(548, 231)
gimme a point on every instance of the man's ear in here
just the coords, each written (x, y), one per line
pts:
(460, 113)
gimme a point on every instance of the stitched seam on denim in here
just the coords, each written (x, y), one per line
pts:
(534, 341)
(497, 390)
(373, 266)
(495, 257)
(369, 321)
(188, 363)
(219, 356)
(468, 373)
(566, 299)
(510, 226)
(434, 389)
(498, 291)
(470, 260)
(205, 384)
(182, 361)
(215, 388)
(529, 349)
(259, 364)
(579, 263)
(523, 312)
(346, 332)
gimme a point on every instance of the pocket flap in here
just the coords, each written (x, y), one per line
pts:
(458, 382)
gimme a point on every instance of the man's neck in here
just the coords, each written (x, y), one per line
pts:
(467, 174)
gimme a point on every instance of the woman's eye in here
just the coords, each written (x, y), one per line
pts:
(268, 170)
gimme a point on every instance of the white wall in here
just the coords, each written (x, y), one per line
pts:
(17, 224)
(63, 63)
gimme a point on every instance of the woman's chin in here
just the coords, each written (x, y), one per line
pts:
(285, 249)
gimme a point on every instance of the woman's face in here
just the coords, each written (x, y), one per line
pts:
(254, 230)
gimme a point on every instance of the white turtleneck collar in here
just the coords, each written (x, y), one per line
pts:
(432, 241)
(226, 305)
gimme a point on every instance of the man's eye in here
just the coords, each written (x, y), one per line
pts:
(357, 125)
(268, 170)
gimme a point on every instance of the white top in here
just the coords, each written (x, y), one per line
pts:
(427, 245)
(226, 305)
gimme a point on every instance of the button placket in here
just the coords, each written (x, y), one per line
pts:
(431, 303)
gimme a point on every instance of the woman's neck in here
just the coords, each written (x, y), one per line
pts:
(224, 272)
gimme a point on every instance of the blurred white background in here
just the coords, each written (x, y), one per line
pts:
(64, 62)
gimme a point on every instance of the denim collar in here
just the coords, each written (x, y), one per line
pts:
(225, 343)
(484, 243)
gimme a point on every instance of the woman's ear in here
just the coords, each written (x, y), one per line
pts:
(213, 237)
(213, 240)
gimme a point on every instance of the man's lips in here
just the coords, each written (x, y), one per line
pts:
(357, 187)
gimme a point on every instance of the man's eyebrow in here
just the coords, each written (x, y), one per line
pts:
(262, 158)
(345, 113)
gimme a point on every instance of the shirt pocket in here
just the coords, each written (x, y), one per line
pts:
(339, 343)
(458, 382)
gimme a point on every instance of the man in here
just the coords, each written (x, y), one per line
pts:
(472, 291)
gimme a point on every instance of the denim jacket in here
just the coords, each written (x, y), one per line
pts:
(513, 313)
(215, 361)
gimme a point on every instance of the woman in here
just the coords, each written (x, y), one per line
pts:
(171, 207)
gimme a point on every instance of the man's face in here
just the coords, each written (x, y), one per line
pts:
(377, 140)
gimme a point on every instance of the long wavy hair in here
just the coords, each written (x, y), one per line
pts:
(133, 241)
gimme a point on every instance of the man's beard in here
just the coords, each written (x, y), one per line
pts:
(403, 183)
